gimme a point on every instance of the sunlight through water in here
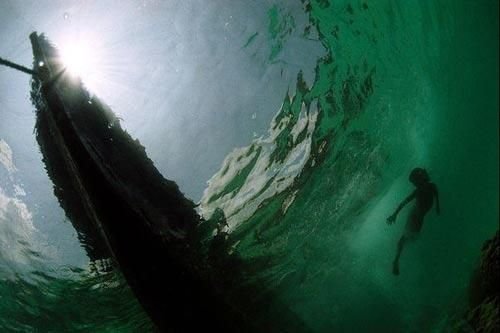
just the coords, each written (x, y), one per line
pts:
(82, 58)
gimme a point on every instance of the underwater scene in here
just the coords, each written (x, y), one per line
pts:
(249, 166)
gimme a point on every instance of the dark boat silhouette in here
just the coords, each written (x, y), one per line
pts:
(124, 209)
(115, 196)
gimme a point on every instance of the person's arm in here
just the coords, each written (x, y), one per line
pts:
(436, 194)
(391, 219)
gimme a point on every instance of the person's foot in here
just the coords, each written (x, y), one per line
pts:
(395, 267)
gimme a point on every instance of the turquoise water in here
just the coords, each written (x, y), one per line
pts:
(335, 102)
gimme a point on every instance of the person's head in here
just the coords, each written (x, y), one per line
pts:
(419, 176)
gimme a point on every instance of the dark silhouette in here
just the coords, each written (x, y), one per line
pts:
(123, 202)
(424, 194)
(219, 246)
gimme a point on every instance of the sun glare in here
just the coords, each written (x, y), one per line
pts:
(76, 59)
(81, 59)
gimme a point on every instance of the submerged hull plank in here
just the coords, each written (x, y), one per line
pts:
(144, 219)
(67, 194)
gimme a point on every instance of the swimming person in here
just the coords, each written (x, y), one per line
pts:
(424, 198)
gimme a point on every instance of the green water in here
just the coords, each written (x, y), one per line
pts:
(400, 84)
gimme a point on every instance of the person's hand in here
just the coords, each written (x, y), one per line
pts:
(391, 219)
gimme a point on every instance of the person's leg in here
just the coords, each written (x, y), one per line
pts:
(413, 225)
(395, 263)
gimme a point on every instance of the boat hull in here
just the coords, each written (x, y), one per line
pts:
(124, 205)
